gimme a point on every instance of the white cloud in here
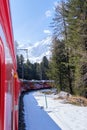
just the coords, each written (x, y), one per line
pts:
(48, 13)
(47, 31)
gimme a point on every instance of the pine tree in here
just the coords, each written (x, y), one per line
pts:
(60, 28)
(20, 66)
(36, 71)
(58, 68)
(44, 67)
(76, 20)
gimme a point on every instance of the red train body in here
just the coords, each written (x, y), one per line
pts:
(9, 83)
(27, 85)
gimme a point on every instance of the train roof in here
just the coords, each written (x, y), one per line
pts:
(50, 81)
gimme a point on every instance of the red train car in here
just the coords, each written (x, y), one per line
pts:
(36, 84)
(9, 83)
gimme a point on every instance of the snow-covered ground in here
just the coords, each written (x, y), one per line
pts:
(43, 112)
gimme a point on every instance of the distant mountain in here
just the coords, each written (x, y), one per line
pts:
(37, 50)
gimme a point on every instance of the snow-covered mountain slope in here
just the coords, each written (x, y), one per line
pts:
(37, 50)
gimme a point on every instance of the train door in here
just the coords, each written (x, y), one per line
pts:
(2, 84)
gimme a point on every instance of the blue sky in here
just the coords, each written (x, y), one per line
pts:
(31, 19)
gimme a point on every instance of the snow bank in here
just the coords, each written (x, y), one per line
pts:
(35, 117)
(67, 116)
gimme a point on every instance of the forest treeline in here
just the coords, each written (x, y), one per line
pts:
(32, 71)
(68, 63)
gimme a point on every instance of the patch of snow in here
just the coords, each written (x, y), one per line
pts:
(63, 94)
(35, 117)
(62, 116)
(67, 116)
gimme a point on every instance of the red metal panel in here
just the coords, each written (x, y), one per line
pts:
(8, 82)
(2, 83)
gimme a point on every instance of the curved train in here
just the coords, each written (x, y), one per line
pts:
(28, 85)
(9, 83)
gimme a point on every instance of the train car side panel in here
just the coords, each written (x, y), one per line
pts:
(8, 93)
(2, 83)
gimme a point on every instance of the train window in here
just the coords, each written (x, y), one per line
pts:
(8, 58)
